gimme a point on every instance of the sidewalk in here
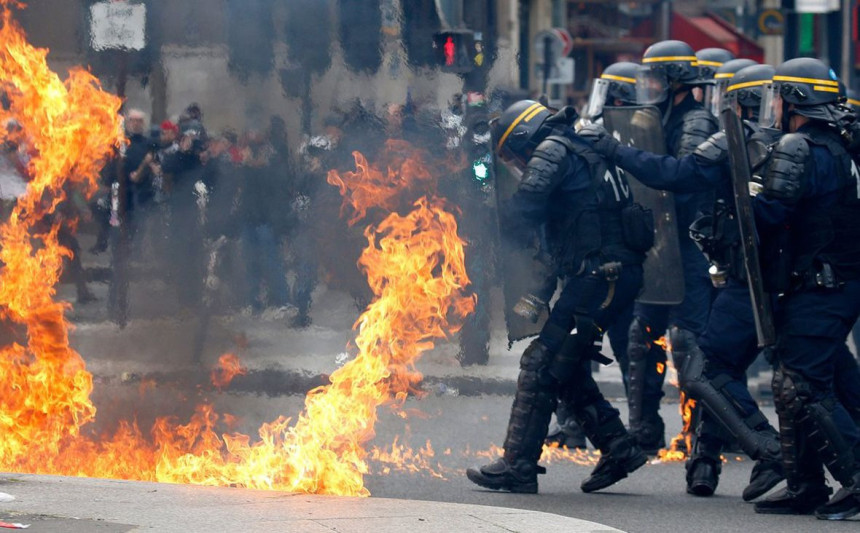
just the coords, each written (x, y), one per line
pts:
(53, 504)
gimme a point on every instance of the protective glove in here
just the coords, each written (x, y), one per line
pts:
(602, 141)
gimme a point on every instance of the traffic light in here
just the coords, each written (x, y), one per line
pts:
(455, 50)
(478, 143)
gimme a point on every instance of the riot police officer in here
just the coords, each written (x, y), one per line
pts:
(714, 372)
(807, 215)
(709, 61)
(615, 87)
(722, 77)
(598, 238)
(667, 79)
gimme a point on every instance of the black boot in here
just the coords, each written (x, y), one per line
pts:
(620, 455)
(704, 465)
(804, 498)
(534, 403)
(703, 476)
(651, 435)
(520, 477)
(844, 505)
(624, 457)
(565, 431)
(766, 474)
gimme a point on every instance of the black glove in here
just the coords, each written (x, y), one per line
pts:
(602, 142)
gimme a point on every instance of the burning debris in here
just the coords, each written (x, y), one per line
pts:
(413, 261)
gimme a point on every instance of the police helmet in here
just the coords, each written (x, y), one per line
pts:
(622, 78)
(746, 85)
(805, 84)
(852, 100)
(722, 78)
(517, 131)
(711, 59)
(665, 63)
(616, 83)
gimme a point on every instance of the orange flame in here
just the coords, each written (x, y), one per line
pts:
(70, 127)
(228, 368)
(681, 445)
(661, 367)
(414, 265)
(553, 454)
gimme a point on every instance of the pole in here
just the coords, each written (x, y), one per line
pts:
(118, 294)
(847, 65)
(547, 59)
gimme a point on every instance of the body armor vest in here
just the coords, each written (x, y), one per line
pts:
(602, 221)
(831, 235)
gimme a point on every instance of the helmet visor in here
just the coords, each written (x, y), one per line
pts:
(652, 86)
(597, 100)
(729, 100)
(511, 159)
(770, 110)
(715, 100)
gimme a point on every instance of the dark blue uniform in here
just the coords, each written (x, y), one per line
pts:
(688, 125)
(592, 225)
(729, 338)
(814, 322)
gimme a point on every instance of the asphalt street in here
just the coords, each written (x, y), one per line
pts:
(462, 431)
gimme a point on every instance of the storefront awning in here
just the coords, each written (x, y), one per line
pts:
(710, 32)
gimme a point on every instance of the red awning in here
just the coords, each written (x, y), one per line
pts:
(711, 32)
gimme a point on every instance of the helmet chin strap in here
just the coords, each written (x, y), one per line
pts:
(787, 115)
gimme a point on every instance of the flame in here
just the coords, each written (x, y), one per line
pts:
(370, 187)
(661, 367)
(552, 454)
(228, 368)
(414, 264)
(402, 458)
(70, 128)
(681, 445)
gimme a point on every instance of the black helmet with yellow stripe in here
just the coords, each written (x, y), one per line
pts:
(622, 81)
(517, 131)
(852, 100)
(803, 86)
(674, 58)
(664, 65)
(711, 59)
(806, 81)
(722, 78)
(745, 87)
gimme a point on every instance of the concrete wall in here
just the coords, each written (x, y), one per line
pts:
(195, 65)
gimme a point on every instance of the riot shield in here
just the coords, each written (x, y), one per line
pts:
(528, 277)
(642, 127)
(740, 167)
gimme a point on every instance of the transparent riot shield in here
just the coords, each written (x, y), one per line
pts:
(642, 127)
(528, 276)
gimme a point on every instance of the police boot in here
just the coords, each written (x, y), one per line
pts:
(799, 498)
(533, 406)
(765, 475)
(564, 431)
(520, 476)
(620, 454)
(845, 504)
(651, 435)
(704, 467)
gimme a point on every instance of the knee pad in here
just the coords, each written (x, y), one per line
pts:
(790, 391)
(535, 356)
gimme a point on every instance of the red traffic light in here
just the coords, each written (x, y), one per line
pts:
(455, 50)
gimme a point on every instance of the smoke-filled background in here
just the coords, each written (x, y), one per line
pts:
(216, 230)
